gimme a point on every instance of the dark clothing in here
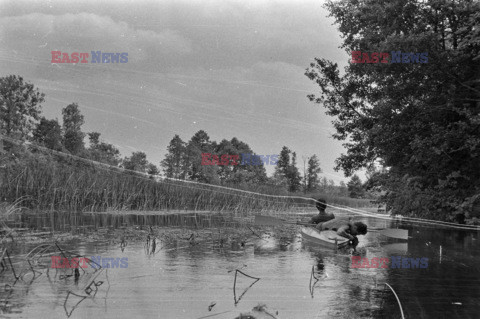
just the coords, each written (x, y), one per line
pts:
(322, 217)
(460, 218)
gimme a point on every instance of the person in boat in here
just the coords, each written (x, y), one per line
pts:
(345, 228)
(460, 218)
(322, 216)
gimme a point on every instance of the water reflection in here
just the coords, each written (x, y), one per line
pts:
(83, 222)
(180, 278)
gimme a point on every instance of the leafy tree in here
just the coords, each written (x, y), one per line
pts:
(312, 179)
(72, 123)
(374, 181)
(244, 174)
(198, 144)
(283, 162)
(174, 164)
(20, 106)
(229, 173)
(355, 187)
(101, 151)
(49, 134)
(287, 171)
(293, 175)
(137, 162)
(280, 176)
(94, 138)
(419, 120)
(152, 169)
(186, 161)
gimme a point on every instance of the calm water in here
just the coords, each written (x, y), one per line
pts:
(182, 281)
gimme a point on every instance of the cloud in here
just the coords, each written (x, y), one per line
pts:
(84, 32)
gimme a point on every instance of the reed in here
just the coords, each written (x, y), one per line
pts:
(51, 182)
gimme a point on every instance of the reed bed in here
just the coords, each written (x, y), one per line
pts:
(51, 182)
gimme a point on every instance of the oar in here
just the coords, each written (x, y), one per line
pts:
(274, 221)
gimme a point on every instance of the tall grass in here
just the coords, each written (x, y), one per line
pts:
(7, 212)
(46, 181)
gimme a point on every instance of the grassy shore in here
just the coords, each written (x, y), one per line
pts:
(48, 182)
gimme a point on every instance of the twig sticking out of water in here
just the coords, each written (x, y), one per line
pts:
(212, 304)
(11, 265)
(245, 291)
(75, 306)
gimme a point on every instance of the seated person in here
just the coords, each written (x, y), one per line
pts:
(460, 218)
(345, 228)
(322, 215)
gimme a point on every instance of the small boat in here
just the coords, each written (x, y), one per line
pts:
(326, 238)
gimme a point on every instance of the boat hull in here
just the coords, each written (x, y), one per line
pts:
(326, 238)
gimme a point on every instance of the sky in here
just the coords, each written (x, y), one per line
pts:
(231, 68)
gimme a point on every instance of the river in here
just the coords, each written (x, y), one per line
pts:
(296, 279)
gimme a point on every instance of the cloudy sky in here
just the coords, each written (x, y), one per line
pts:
(231, 68)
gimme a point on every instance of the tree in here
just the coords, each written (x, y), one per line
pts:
(174, 164)
(283, 162)
(152, 170)
(186, 161)
(48, 133)
(242, 174)
(72, 123)
(20, 107)
(374, 182)
(137, 162)
(293, 175)
(230, 173)
(101, 151)
(198, 144)
(287, 171)
(419, 120)
(304, 179)
(312, 179)
(355, 187)
(94, 138)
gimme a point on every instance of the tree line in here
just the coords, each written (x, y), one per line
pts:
(21, 119)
